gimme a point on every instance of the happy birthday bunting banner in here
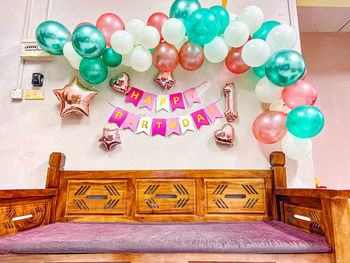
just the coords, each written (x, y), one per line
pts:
(158, 127)
(165, 127)
(173, 126)
(145, 125)
(162, 103)
(212, 112)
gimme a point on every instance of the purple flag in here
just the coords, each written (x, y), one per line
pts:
(158, 126)
(173, 126)
(147, 100)
(131, 122)
(200, 118)
(118, 116)
(176, 101)
(134, 96)
(212, 112)
(191, 96)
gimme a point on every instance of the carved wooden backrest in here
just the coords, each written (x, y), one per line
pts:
(165, 196)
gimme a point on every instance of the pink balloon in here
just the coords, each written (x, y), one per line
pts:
(234, 61)
(109, 23)
(165, 57)
(83, 23)
(191, 56)
(301, 93)
(157, 20)
(270, 126)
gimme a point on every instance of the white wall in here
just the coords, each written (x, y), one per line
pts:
(31, 130)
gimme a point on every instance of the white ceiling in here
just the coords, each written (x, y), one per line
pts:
(324, 19)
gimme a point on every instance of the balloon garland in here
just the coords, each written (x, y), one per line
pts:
(191, 34)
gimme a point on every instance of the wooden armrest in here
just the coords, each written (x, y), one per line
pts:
(319, 193)
(6, 194)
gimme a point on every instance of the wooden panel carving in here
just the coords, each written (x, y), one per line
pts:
(235, 196)
(309, 219)
(96, 197)
(165, 196)
(21, 217)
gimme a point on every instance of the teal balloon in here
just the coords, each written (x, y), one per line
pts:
(111, 58)
(202, 26)
(52, 36)
(182, 9)
(260, 71)
(265, 29)
(305, 121)
(88, 41)
(223, 17)
(93, 70)
(285, 67)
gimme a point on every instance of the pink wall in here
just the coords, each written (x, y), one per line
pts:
(327, 57)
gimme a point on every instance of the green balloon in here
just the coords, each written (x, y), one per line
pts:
(111, 58)
(93, 70)
(260, 71)
(182, 9)
(88, 41)
(285, 67)
(52, 36)
(265, 29)
(202, 26)
(223, 17)
(305, 121)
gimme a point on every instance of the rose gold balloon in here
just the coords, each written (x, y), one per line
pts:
(234, 61)
(225, 135)
(270, 127)
(165, 79)
(74, 98)
(165, 57)
(109, 23)
(110, 138)
(230, 94)
(301, 93)
(191, 56)
(120, 83)
(157, 20)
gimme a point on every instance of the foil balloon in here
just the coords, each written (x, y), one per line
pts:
(165, 79)
(110, 138)
(230, 94)
(270, 127)
(225, 135)
(75, 98)
(120, 83)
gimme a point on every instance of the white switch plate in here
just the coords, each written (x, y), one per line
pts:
(17, 94)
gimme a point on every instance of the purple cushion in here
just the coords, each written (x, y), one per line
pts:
(235, 237)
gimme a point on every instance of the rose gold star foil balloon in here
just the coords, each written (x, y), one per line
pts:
(74, 98)
(120, 83)
(225, 135)
(165, 79)
(110, 138)
(230, 94)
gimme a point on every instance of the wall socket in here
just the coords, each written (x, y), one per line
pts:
(17, 94)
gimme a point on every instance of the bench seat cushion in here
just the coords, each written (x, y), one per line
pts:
(233, 237)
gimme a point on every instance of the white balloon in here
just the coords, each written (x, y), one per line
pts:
(70, 53)
(173, 31)
(296, 148)
(126, 59)
(266, 92)
(134, 27)
(281, 37)
(253, 16)
(122, 42)
(255, 52)
(236, 34)
(149, 37)
(216, 51)
(278, 105)
(233, 17)
(140, 59)
(75, 63)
